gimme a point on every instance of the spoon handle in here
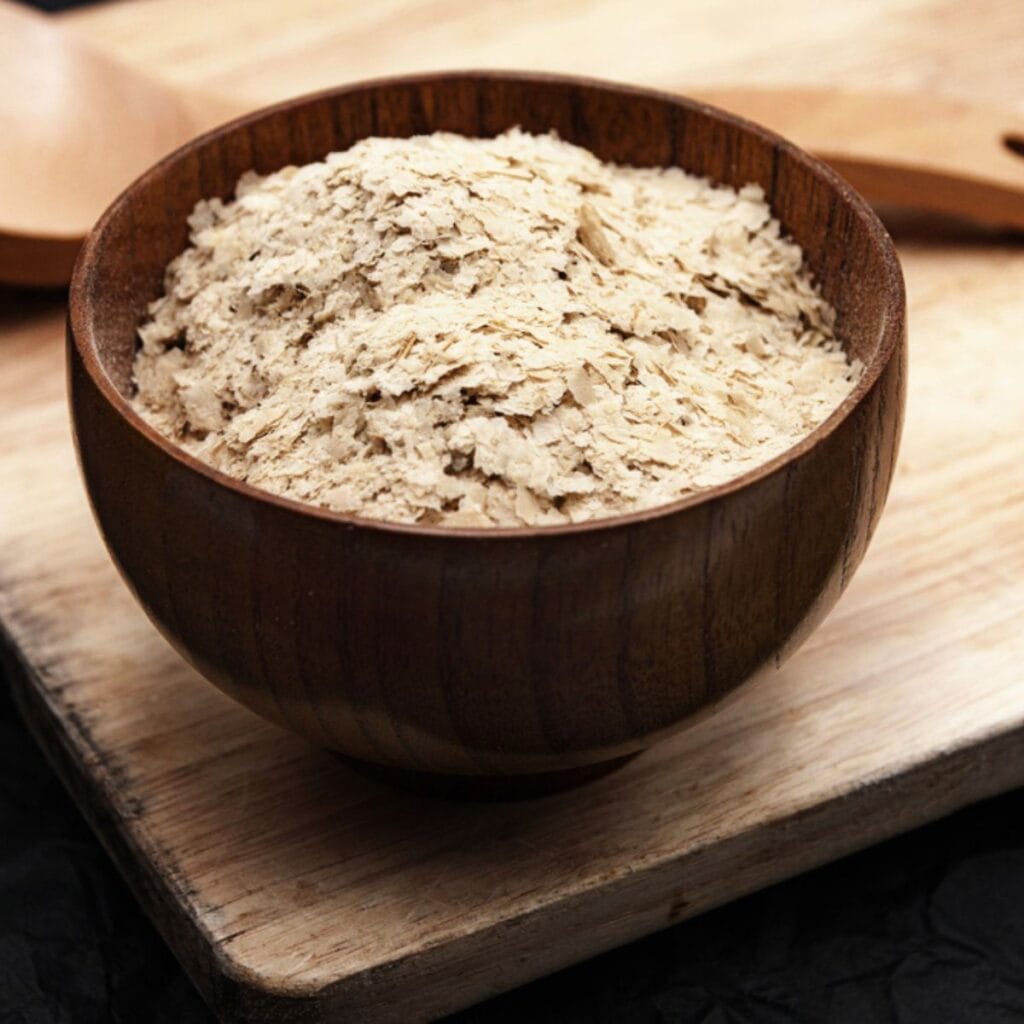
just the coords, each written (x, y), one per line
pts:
(914, 150)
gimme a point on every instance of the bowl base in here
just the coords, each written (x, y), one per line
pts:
(484, 787)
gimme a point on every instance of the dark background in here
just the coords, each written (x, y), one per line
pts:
(925, 928)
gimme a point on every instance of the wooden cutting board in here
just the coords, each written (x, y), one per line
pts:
(293, 890)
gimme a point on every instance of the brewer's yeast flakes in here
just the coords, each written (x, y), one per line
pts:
(487, 332)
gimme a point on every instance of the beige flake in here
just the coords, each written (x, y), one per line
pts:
(487, 332)
(593, 237)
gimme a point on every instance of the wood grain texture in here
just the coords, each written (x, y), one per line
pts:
(79, 125)
(469, 652)
(943, 47)
(295, 890)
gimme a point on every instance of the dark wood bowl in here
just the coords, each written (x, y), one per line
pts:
(535, 654)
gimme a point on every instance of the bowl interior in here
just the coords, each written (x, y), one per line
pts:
(122, 266)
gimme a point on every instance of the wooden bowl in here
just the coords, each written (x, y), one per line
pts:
(537, 655)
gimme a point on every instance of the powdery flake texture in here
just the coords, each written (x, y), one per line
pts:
(487, 332)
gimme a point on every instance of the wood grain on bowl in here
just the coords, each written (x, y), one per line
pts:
(473, 652)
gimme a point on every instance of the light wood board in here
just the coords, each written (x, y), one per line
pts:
(294, 890)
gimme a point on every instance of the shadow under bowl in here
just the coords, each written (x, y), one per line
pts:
(468, 655)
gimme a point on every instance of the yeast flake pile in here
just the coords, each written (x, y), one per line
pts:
(487, 332)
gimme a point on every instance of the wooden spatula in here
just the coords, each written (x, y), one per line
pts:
(918, 151)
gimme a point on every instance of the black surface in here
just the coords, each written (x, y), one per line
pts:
(925, 928)
(928, 927)
(56, 5)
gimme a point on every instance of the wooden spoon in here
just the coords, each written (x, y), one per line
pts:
(78, 126)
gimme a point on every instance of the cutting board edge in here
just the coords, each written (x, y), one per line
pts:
(979, 767)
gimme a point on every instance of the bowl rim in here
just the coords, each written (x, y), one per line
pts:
(81, 321)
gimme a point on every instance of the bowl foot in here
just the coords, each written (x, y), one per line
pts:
(484, 787)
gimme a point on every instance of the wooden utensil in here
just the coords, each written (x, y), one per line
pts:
(914, 150)
(78, 127)
(466, 654)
